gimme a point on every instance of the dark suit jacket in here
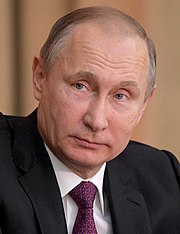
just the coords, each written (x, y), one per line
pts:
(141, 185)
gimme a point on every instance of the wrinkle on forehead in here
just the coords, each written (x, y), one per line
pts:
(104, 59)
(90, 46)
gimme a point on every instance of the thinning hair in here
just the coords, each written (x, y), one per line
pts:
(58, 36)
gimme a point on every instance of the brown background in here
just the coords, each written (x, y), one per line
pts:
(24, 25)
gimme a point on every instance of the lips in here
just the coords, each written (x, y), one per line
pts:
(88, 144)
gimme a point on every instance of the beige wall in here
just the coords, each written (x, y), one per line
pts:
(160, 125)
(5, 57)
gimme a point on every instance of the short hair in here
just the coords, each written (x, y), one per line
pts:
(57, 39)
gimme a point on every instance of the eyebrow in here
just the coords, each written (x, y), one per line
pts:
(121, 84)
(85, 74)
(125, 83)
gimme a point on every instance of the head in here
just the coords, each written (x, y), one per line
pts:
(93, 80)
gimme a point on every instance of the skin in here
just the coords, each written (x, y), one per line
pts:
(93, 97)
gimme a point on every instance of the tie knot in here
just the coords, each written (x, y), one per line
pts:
(84, 194)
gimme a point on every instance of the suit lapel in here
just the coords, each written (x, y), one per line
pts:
(127, 206)
(36, 176)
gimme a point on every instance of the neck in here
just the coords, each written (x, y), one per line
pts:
(86, 172)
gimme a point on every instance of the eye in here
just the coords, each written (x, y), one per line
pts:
(79, 86)
(120, 96)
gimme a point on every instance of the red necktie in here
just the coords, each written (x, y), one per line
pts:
(84, 194)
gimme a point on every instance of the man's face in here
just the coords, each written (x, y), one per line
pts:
(93, 97)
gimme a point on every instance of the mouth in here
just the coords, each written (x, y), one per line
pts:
(88, 144)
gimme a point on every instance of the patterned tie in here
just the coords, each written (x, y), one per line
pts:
(84, 194)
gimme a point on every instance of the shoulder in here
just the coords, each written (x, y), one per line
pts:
(7, 128)
(147, 162)
(8, 122)
(12, 127)
(3, 122)
(12, 122)
(142, 152)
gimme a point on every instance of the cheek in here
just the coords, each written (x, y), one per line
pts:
(121, 131)
(66, 113)
(123, 124)
(132, 121)
(134, 114)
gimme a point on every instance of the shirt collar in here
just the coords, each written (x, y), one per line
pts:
(67, 179)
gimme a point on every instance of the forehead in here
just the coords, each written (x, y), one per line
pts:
(92, 45)
(109, 42)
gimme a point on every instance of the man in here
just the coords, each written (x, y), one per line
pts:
(93, 79)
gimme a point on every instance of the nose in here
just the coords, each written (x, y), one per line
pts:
(96, 116)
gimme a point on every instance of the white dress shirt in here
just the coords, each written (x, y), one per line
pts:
(67, 180)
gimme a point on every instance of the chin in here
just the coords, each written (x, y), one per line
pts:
(87, 160)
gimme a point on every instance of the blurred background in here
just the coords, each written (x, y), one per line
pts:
(25, 24)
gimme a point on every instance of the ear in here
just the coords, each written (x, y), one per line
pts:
(38, 78)
(146, 103)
